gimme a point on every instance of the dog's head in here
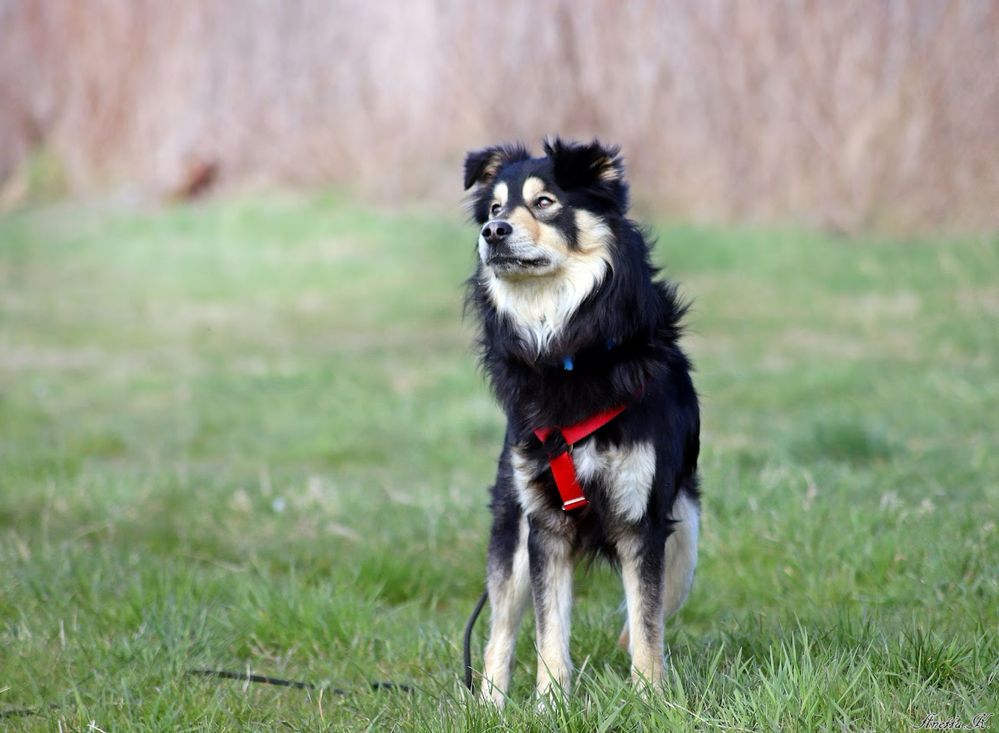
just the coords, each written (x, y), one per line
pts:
(539, 217)
(546, 232)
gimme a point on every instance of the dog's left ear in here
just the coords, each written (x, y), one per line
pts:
(593, 166)
(481, 166)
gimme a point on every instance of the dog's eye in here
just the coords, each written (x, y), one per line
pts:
(543, 202)
(495, 209)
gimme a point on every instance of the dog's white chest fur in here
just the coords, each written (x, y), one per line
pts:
(625, 472)
(539, 309)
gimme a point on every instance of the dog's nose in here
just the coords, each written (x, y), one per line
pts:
(496, 231)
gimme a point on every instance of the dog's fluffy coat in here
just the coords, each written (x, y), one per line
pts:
(573, 321)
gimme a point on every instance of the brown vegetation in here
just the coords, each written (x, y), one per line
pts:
(848, 114)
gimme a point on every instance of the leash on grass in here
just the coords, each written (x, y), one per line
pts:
(297, 684)
(375, 685)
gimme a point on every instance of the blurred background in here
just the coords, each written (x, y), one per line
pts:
(241, 424)
(846, 115)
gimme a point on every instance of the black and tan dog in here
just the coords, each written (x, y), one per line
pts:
(579, 342)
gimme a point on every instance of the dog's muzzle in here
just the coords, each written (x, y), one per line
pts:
(506, 252)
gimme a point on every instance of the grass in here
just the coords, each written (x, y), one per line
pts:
(250, 435)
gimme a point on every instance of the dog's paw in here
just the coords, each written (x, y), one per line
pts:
(551, 692)
(648, 682)
(492, 695)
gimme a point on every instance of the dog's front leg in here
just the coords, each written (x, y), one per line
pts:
(508, 580)
(551, 586)
(642, 566)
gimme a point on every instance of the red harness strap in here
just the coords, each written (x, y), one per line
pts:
(563, 469)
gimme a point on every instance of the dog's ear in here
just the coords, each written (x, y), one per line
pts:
(593, 166)
(481, 166)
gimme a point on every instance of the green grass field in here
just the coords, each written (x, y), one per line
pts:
(251, 435)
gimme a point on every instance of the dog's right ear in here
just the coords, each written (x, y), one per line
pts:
(591, 166)
(481, 166)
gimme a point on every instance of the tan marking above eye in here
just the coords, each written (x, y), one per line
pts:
(532, 187)
(501, 193)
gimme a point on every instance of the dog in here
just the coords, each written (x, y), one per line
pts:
(579, 343)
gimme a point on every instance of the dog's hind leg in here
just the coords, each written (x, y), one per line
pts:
(508, 580)
(678, 564)
(551, 585)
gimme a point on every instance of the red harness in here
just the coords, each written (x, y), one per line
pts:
(563, 468)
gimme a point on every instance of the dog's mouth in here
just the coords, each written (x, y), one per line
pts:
(505, 263)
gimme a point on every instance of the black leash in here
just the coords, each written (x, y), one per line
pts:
(468, 637)
(299, 684)
(26, 712)
(375, 685)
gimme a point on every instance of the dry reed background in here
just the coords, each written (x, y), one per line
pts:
(846, 114)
